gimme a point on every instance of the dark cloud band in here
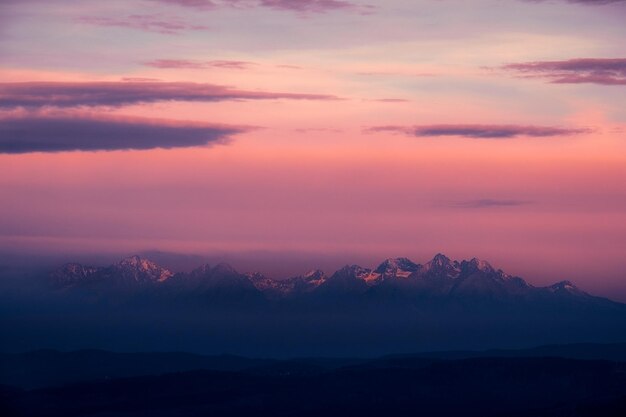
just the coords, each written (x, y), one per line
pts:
(596, 2)
(611, 71)
(69, 94)
(479, 131)
(584, 2)
(56, 133)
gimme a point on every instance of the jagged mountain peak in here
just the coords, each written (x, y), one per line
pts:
(397, 264)
(353, 271)
(72, 273)
(138, 262)
(441, 267)
(441, 276)
(440, 260)
(478, 265)
(142, 270)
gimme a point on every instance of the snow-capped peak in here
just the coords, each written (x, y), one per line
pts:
(442, 266)
(138, 262)
(143, 269)
(396, 264)
(392, 268)
(353, 271)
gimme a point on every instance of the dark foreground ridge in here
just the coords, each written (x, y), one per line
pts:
(511, 383)
(53, 368)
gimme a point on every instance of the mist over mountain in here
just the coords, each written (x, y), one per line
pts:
(398, 306)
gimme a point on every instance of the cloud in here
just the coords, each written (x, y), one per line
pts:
(146, 23)
(479, 131)
(72, 132)
(199, 4)
(488, 203)
(139, 79)
(610, 71)
(391, 100)
(75, 94)
(306, 130)
(188, 64)
(592, 2)
(317, 6)
(298, 6)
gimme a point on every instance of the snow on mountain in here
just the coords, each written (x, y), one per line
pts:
(350, 278)
(393, 268)
(129, 271)
(263, 283)
(315, 276)
(476, 264)
(439, 277)
(141, 270)
(566, 288)
(441, 267)
(290, 286)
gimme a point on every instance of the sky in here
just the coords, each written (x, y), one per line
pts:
(317, 133)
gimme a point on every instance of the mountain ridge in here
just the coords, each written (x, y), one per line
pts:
(440, 276)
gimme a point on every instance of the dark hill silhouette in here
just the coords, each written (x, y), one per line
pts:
(484, 387)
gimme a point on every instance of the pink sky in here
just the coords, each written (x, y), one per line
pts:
(365, 129)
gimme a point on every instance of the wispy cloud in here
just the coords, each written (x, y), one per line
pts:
(115, 94)
(318, 130)
(610, 71)
(391, 100)
(479, 131)
(139, 79)
(145, 22)
(198, 4)
(190, 64)
(299, 6)
(75, 132)
(317, 6)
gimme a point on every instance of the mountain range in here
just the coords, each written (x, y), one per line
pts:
(440, 277)
(398, 306)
